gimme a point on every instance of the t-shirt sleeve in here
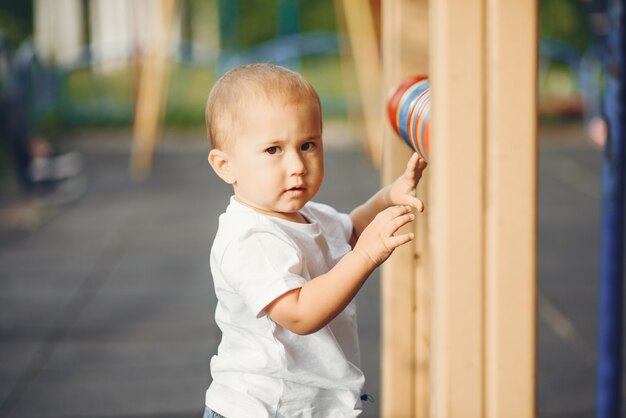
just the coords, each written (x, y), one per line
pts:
(261, 266)
(346, 225)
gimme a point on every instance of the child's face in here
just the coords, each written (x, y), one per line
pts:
(277, 157)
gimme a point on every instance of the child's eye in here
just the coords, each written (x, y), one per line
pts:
(272, 150)
(307, 146)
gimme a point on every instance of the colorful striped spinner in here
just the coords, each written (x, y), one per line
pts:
(408, 109)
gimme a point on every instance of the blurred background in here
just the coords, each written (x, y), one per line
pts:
(106, 301)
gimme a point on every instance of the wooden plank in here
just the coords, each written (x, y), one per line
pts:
(415, 21)
(511, 208)
(348, 75)
(423, 317)
(152, 91)
(457, 207)
(366, 55)
(405, 53)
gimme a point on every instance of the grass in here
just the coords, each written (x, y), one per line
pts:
(105, 98)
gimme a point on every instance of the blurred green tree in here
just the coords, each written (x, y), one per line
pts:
(16, 20)
(317, 15)
(258, 19)
(565, 20)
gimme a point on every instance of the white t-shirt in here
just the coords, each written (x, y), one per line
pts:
(262, 369)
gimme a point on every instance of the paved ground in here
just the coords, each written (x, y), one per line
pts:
(106, 305)
(568, 267)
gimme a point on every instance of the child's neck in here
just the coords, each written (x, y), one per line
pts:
(296, 217)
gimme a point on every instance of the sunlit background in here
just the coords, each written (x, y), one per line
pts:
(105, 295)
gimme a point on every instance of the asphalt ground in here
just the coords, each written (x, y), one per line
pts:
(106, 303)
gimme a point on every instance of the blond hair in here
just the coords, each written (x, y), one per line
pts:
(252, 81)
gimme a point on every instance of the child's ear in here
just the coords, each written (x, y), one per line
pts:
(221, 165)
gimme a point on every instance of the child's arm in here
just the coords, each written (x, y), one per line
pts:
(400, 192)
(307, 309)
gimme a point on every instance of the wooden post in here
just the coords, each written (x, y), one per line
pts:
(511, 190)
(483, 205)
(404, 281)
(458, 307)
(359, 22)
(457, 207)
(152, 90)
(423, 316)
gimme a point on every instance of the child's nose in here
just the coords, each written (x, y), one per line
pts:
(295, 165)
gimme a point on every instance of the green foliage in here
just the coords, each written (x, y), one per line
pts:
(317, 15)
(188, 91)
(85, 84)
(16, 20)
(258, 19)
(257, 22)
(325, 75)
(106, 98)
(566, 20)
(93, 97)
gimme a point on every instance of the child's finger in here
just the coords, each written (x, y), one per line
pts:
(399, 222)
(416, 203)
(393, 212)
(415, 168)
(412, 165)
(396, 241)
(420, 166)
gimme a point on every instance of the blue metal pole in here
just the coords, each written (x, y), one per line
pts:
(611, 308)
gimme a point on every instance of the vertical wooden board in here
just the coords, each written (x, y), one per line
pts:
(152, 91)
(396, 276)
(348, 75)
(404, 53)
(457, 206)
(511, 208)
(423, 307)
(361, 28)
(416, 21)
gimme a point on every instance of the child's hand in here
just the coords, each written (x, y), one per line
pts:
(402, 191)
(378, 241)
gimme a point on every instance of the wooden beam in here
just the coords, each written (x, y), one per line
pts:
(483, 199)
(457, 207)
(423, 315)
(361, 29)
(152, 90)
(511, 214)
(404, 351)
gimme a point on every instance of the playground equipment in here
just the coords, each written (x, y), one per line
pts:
(458, 305)
(408, 109)
(152, 91)
(611, 306)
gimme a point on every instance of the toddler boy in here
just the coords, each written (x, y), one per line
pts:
(286, 269)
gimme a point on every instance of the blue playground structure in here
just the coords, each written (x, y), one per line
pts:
(611, 315)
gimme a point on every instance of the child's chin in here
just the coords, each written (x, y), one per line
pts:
(293, 208)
